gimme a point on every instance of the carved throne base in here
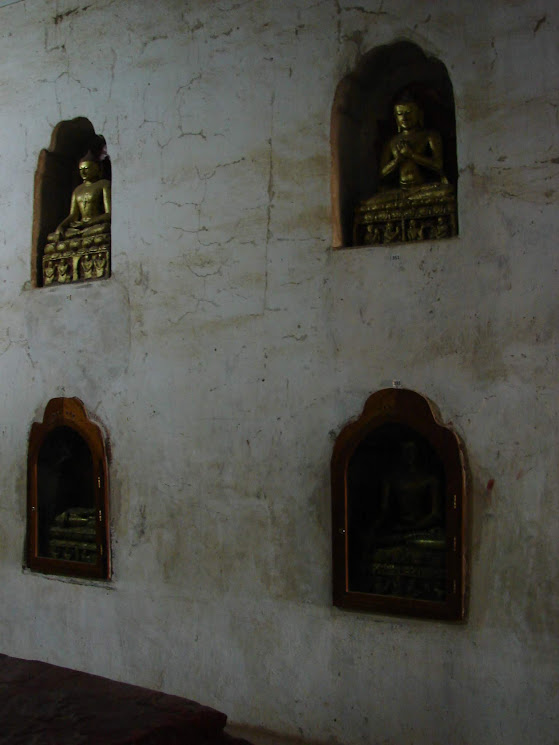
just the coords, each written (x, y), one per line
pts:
(405, 222)
(66, 266)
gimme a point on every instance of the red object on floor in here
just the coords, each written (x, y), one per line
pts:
(44, 704)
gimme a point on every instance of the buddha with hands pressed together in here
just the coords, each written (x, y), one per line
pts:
(416, 154)
(89, 220)
(408, 211)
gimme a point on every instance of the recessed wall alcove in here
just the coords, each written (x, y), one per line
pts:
(67, 505)
(56, 178)
(399, 510)
(363, 121)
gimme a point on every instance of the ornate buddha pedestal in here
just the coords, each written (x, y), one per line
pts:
(72, 535)
(403, 218)
(64, 264)
(413, 570)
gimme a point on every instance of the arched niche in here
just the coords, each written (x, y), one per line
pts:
(399, 510)
(363, 121)
(56, 177)
(67, 487)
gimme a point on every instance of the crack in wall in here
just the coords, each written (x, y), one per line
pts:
(270, 197)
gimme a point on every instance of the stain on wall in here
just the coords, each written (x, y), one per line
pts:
(231, 340)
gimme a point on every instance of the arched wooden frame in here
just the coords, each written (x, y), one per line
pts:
(69, 413)
(414, 412)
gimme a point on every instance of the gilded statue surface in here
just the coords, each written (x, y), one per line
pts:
(79, 248)
(423, 205)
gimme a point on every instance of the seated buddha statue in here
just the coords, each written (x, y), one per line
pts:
(416, 155)
(89, 220)
(411, 509)
(423, 203)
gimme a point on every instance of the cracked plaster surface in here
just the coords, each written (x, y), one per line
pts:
(231, 341)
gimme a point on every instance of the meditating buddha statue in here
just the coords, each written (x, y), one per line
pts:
(83, 238)
(404, 552)
(423, 205)
(90, 211)
(411, 503)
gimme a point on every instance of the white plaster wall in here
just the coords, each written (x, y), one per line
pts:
(231, 345)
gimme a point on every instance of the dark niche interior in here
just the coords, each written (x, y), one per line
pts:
(399, 510)
(363, 121)
(67, 494)
(66, 498)
(396, 517)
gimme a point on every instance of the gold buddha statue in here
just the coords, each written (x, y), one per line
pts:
(81, 243)
(48, 272)
(404, 552)
(411, 503)
(89, 221)
(87, 267)
(62, 275)
(423, 194)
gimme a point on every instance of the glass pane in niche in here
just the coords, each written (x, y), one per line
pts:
(67, 494)
(396, 516)
(66, 499)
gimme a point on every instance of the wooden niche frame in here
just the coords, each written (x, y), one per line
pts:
(421, 572)
(67, 434)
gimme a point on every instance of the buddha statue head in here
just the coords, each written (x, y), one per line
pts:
(97, 155)
(90, 169)
(408, 114)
